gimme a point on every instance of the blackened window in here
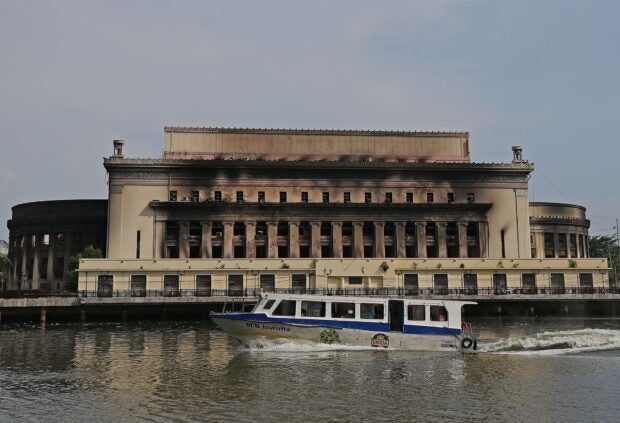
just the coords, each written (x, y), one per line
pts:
(347, 197)
(355, 280)
(261, 196)
(195, 196)
(430, 197)
(471, 197)
(239, 196)
(172, 196)
(282, 196)
(304, 197)
(368, 197)
(450, 197)
(218, 196)
(326, 197)
(410, 198)
(388, 197)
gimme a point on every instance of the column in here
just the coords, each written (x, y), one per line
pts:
(401, 251)
(228, 239)
(420, 234)
(36, 276)
(442, 242)
(50, 259)
(379, 239)
(316, 238)
(67, 252)
(578, 241)
(250, 235)
(462, 230)
(358, 239)
(272, 239)
(16, 251)
(539, 240)
(293, 239)
(568, 252)
(556, 244)
(337, 239)
(160, 240)
(483, 239)
(24, 277)
(205, 246)
(183, 240)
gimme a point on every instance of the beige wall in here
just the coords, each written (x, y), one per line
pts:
(208, 143)
(334, 273)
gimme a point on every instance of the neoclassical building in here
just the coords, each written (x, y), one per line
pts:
(277, 208)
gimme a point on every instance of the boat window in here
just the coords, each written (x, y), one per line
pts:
(269, 304)
(313, 308)
(285, 308)
(343, 310)
(416, 312)
(439, 314)
(371, 311)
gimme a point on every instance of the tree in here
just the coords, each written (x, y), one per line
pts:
(74, 261)
(607, 247)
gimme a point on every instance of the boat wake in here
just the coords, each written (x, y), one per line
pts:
(554, 343)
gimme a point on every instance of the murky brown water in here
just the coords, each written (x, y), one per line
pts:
(145, 371)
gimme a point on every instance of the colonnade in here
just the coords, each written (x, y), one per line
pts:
(560, 245)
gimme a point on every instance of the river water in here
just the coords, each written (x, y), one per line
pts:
(554, 370)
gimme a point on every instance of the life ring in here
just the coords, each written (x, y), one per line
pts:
(466, 343)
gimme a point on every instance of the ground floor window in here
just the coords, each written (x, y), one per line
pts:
(235, 285)
(171, 285)
(528, 283)
(268, 283)
(470, 283)
(203, 285)
(411, 283)
(138, 285)
(105, 285)
(586, 282)
(298, 282)
(500, 284)
(557, 283)
(355, 280)
(440, 283)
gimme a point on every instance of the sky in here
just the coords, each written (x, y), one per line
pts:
(75, 75)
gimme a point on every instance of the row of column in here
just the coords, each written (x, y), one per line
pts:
(23, 252)
(581, 246)
(336, 239)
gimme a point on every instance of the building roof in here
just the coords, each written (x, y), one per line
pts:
(292, 131)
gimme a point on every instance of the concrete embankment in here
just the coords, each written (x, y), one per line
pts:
(122, 308)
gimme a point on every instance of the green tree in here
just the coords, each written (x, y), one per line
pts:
(74, 261)
(607, 247)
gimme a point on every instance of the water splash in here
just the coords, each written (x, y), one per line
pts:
(264, 345)
(557, 342)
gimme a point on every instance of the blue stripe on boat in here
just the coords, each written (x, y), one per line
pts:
(340, 323)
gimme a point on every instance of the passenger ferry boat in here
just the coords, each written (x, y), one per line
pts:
(396, 323)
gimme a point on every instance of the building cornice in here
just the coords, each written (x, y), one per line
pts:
(285, 131)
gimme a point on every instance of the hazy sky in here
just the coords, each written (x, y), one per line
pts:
(542, 74)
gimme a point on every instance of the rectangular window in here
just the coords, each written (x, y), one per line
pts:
(440, 283)
(416, 312)
(470, 283)
(239, 196)
(557, 283)
(326, 197)
(368, 197)
(172, 196)
(355, 280)
(347, 197)
(298, 282)
(285, 308)
(371, 311)
(411, 283)
(430, 197)
(500, 285)
(138, 285)
(137, 244)
(171, 285)
(313, 308)
(343, 310)
(235, 285)
(410, 198)
(261, 196)
(388, 197)
(217, 196)
(203, 285)
(105, 285)
(439, 314)
(195, 196)
(450, 197)
(528, 283)
(471, 197)
(304, 197)
(269, 304)
(282, 196)
(586, 280)
(268, 283)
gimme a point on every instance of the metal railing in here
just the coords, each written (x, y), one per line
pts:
(383, 292)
